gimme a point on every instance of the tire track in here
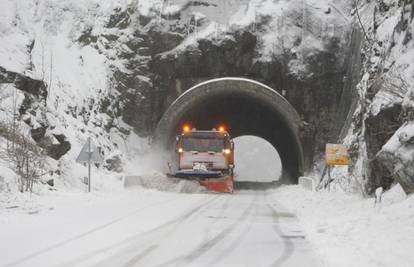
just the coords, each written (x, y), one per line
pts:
(233, 245)
(207, 245)
(137, 258)
(79, 236)
(288, 245)
(142, 234)
(132, 262)
(219, 216)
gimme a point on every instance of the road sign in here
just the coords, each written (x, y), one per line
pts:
(89, 153)
(336, 154)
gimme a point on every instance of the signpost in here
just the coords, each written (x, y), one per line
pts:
(335, 154)
(89, 153)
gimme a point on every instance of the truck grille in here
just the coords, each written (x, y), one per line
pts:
(209, 165)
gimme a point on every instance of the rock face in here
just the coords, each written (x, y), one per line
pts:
(314, 97)
(128, 62)
(397, 156)
(35, 94)
(322, 84)
(380, 129)
(56, 151)
(26, 84)
(114, 163)
(379, 134)
(169, 54)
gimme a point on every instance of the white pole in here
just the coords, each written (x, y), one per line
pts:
(89, 164)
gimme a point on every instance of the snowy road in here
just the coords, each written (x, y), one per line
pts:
(243, 229)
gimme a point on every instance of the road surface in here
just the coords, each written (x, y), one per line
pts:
(243, 229)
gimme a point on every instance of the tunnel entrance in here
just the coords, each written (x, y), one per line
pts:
(257, 160)
(258, 164)
(245, 107)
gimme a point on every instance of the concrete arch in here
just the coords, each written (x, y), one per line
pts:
(246, 107)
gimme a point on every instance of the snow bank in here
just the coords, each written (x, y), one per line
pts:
(161, 182)
(7, 179)
(347, 230)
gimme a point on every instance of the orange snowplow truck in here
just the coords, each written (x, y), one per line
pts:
(207, 157)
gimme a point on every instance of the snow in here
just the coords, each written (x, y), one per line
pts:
(387, 27)
(399, 61)
(13, 49)
(245, 15)
(301, 25)
(13, 54)
(145, 6)
(35, 227)
(256, 160)
(397, 146)
(348, 230)
(10, 101)
(115, 229)
(115, 226)
(159, 181)
(398, 57)
(231, 79)
(7, 179)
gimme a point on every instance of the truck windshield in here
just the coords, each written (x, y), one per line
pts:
(202, 144)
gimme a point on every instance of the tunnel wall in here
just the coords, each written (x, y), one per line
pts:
(282, 126)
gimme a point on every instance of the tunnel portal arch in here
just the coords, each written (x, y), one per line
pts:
(245, 107)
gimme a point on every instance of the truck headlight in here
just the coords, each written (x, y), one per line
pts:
(226, 151)
(180, 150)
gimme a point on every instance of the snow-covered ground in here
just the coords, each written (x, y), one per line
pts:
(141, 227)
(348, 230)
(149, 228)
(64, 226)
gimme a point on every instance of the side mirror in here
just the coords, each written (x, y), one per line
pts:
(177, 140)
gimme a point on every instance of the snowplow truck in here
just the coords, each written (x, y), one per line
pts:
(207, 157)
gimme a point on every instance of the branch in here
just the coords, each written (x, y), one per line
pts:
(356, 2)
(50, 72)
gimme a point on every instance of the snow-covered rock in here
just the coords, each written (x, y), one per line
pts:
(109, 69)
(384, 110)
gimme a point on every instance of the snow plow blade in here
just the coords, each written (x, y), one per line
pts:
(191, 174)
(221, 185)
(211, 180)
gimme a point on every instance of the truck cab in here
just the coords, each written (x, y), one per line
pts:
(209, 150)
(206, 156)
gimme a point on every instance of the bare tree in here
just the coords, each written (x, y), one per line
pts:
(25, 157)
(43, 59)
(50, 73)
(356, 3)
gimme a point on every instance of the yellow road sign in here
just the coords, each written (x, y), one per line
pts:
(336, 154)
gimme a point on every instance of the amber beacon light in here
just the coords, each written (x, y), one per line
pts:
(186, 128)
